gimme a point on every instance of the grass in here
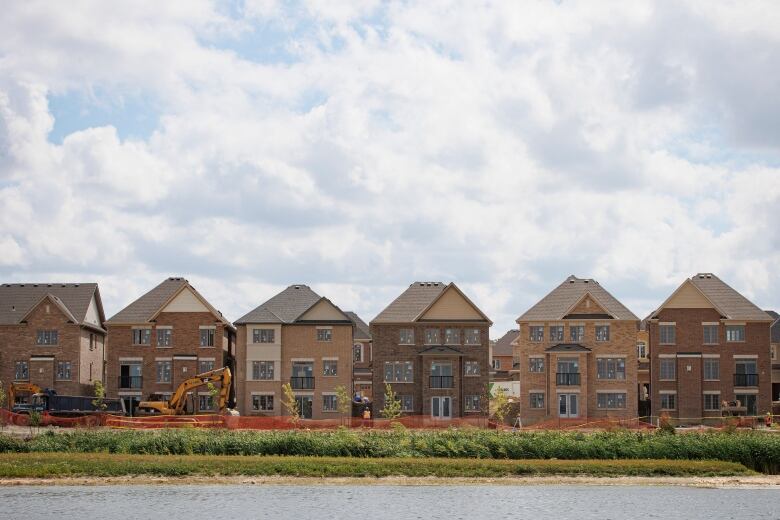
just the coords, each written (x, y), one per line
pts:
(58, 465)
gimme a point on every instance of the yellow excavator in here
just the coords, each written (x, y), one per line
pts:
(177, 403)
(21, 387)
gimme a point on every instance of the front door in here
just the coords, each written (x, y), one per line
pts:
(441, 407)
(304, 406)
(567, 405)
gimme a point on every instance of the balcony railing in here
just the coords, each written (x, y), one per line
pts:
(302, 383)
(745, 379)
(131, 381)
(567, 378)
(441, 382)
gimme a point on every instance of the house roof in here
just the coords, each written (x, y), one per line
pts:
(503, 346)
(361, 327)
(18, 299)
(416, 300)
(286, 307)
(775, 329)
(563, 298)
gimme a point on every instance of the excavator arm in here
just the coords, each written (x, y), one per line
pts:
(175, 406)
(21, 387)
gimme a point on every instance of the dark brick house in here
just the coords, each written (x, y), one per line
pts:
(362, 366)
(431, 344)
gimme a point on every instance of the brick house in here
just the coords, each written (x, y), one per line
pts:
(52, 335)
(709, 344)
(296, 337)
(362, 367)
(577, 353)
(643, 369)
(502, 357)
(431, 344)
(166, 336)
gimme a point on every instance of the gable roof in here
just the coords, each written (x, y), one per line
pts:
(411, 304)
(565, 297)
(361, 327)
(503, 346)
(17, 300)
(775, 329)
(146, 308)
(287, 306)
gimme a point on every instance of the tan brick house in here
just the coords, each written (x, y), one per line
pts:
(166, 336)
(52, 335)
(502, 357)
(362, 366)
(296, 337)
(577, 355)
(431, 344)
(709, 344)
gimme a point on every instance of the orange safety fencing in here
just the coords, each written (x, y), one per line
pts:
(23, 419)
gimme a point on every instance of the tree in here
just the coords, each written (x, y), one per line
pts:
(392, 409)
(100, 396)
(35, 421)
(213, 392)
(500, 404)
(291, 404)
(343, 400)
(3, 399)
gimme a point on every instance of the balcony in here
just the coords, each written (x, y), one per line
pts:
(302, 383)
(567, 378)
(130, 382)
(745, 379)
(441, 382)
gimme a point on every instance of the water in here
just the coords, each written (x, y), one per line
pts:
(383, 502)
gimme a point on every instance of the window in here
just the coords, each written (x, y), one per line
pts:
(432, 336)
(399, 372)
(496, 364)
(205, 365)
(263, 335)
(536, 364)
(91, 342)
(262, 370)
(611, 400)
(668, 401)
(471, 368)
(22, 372)
(602, 332)
(472, 336)
(666, 334)
(710, 335)
(406, 336)
(47, 337)
(357, 353)
(711, 369)
(329, 403)
(641, 350)
(556, 333)
(163, 371)
(452, 336)
(536, 333)
(262, 403)
(577, 333)
(471, 403)
(206, 337)
(324, 334)
(712, 402)
(142, 336)
(668, 369)
(735, 333)
(330, 367)
(611, 368)
(205, 402)
(164, 337)
(63, 370)
(537, 400)
(407, 403)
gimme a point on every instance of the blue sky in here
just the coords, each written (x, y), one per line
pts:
(358, 147)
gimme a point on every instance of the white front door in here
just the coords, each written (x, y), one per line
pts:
(567, 405)
(441, 407)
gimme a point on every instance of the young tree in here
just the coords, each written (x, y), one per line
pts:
(291, 404)
(100, 396)
(500, 405)
(213, 392)
(392, 408)
(35, 421)
(343, 401)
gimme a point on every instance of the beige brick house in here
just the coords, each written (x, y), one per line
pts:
(296, 337)
(52, 335)
(577, 355)
(166, 336)
(502, 357)
(709, 344)
(431, 344)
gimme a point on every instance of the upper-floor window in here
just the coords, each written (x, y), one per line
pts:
(451, 337)
(262, 370)
(47, 337)
(735, 333)
(205, 365)
(164, 337)
(324, 334)
(357, 353)
(399, 372)
(406, 336)
(641, 350)
(142, 336)
(536, 333)
(432, 337)
(668, 369)
(556, 332)
(576, 333)
(472, 336)
(21, 371)
(496, 364)
(92, 342)
(263, 335)
(711, 369)
(536, 364)
(471, 368)
(710, 334)
(63, 370)
(207, 337)
(602, 332)
(666, 334)
(330, 367)
(611, 368)
(164, 371)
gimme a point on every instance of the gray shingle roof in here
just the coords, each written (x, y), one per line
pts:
(18, 299)
(556, 304)
(361, 327)
(410, 303)
(147, 305)
(775, 330)
(503, 346)
(285, 307)
(726, 299)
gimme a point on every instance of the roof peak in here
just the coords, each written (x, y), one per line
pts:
(574, 279)
(428, 284)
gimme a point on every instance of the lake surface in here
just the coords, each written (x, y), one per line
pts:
(227, 502)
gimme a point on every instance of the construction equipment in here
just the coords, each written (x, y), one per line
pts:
(69, 405)
(177, 403)
(21, 387)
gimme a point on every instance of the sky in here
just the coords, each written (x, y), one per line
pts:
(357, 147)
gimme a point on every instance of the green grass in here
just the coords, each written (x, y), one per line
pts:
(57, 465)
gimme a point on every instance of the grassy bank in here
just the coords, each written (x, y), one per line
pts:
(757, 451)
(58, 465)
